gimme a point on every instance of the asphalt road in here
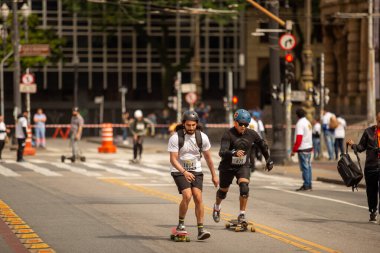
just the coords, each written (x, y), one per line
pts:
(109, 205)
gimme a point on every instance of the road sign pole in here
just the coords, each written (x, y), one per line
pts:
(179, 96)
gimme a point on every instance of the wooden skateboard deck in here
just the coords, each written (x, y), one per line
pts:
(240, 227)
(179, 236)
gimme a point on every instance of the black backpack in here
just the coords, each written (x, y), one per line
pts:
(349, 171)
(181, 139)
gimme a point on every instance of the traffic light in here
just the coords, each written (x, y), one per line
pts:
(172, 102)
(289, 69)
(235, 101)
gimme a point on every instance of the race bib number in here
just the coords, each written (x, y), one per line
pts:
(189, 164)
(140, 126)
(239, 160)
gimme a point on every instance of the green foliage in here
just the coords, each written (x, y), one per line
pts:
(36, 35)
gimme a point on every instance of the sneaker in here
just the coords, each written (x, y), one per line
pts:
(372, 217)
(241, 218)
(203, 234)
(216, 215)
(181, 228)
(304, 188)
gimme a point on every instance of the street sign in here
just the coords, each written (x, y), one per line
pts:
(28, 88)
(27, 79)
(298, 95)
(188, 87)
(191, 98)
(287, 41)
(35, 50)
(98, 100)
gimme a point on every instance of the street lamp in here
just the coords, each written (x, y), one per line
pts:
(25, 12)
(4, 11)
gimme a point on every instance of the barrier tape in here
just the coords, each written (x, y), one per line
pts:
(211, 125)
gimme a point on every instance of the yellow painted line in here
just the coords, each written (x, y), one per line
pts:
(263, 229)
(26, 235)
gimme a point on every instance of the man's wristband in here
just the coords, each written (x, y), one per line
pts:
(183, 171)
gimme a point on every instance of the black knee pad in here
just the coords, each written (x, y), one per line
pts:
(244, 190)
(221, 194)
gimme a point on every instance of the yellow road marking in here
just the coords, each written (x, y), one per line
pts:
(26, 235)
(263, 229)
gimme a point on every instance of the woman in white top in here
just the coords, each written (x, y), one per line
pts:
(340, 133)
(3, 134)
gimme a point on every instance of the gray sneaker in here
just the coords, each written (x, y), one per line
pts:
(216, 215)
(241, 218)
(181, 228)
(203, 234)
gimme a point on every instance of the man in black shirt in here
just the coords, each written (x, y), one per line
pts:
(370, 142)
(235, 150)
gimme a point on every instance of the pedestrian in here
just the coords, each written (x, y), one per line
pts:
(253, 125)
(40, 129)
(3, 135)
(236, 145)
(339, 134)
(328, 127)
(370, 142)
(139, 128)
(303, 146)
(125, 129)
(203, 112)
(76, 130)
(163, 119)
(186, 170)
(21, 134)
(317, 131)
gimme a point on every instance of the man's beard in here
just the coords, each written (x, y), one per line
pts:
(190, 131)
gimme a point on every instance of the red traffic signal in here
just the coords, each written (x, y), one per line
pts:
(235, 100)
(289, 57)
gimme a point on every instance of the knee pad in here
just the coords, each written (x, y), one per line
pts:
(221, 194)
(244, 190)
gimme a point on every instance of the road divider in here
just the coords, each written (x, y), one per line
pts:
(26, 235)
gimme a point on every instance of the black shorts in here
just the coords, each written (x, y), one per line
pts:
(182, 183)
(227, 175)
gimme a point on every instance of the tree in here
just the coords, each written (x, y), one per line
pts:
(133, 13)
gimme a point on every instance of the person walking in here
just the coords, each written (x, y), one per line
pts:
(40, 129)
(236, 146)
(76, 130)
(328, 127)
(3, 135)
(186, 170)
(21, 134)
(370, 142)
(317, 131)
(125, 129)
(340, 134)
(303, 146)
(139, 128)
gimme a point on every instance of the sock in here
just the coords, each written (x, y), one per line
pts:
(181, 221)
(217, 207)
(200, 227)
(242, 212)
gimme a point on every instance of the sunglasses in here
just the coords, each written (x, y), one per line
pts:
(243, 124)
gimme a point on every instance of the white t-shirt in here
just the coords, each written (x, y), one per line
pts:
(188, 156)
(304, 128)
(21, 123)
(317, 128)
(253, 125)
(2, 128)
(340, 131)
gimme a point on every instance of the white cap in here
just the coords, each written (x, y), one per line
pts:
(138, 114)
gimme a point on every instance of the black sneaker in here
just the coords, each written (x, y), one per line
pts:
(304, 188)
(216, 215)
(241, 218)
(203, 234)
(373, 217)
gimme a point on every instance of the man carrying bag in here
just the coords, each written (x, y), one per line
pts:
(369, 142)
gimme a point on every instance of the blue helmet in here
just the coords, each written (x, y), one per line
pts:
(242, 116)
(256, 114)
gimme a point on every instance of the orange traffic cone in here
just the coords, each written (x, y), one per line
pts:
(107, 139)
(29, 150)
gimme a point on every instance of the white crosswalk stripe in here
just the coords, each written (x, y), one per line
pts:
(7, 172)
(39, 169)
(111, 170)
(77, 170)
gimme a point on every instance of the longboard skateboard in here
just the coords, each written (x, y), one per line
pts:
(234, 224)
(179, 236)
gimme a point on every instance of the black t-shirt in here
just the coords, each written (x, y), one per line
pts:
(233, 141)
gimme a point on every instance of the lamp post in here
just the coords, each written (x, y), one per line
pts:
(16, 72)
(25, 12)
(4, 11)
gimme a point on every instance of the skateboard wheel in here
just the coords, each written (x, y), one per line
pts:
(83, 159)
(187, 239)
(72, 159)
(253, 229)
(176, 239)
(228, 225)
(171, 237)
(63, 158)
(237, 229)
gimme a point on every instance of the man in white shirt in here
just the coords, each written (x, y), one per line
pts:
(340, 133)
(21, 134)
(303, 146)
(186, 170)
